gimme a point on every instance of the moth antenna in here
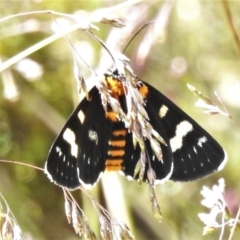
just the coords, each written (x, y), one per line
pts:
(146, 24)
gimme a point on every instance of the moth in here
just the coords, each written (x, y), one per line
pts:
(95, 139)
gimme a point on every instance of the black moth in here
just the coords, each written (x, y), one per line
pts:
(93, 141)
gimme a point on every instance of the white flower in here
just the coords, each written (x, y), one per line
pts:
(214, 200)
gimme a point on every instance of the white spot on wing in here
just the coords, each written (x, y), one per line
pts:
(195, 150)
(81, 116)
(183, 128)
(163, 111)
(201, 141)
(92, 135)
(70, 137)
(58, 150)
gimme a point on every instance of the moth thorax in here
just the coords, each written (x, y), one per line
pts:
(115, 86)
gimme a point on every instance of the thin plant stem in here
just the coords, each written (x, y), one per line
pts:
(234, 225)
(21, 163)
(230, 23)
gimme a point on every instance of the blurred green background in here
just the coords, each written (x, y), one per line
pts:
(193, 44)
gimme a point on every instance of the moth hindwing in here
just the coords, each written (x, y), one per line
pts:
(143, 135)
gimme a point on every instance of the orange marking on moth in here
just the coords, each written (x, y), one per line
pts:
(111, 116)
(115, 153)
(144, 91)
(117, 143)
(113, 165)
(120, 133)
(115, 86)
